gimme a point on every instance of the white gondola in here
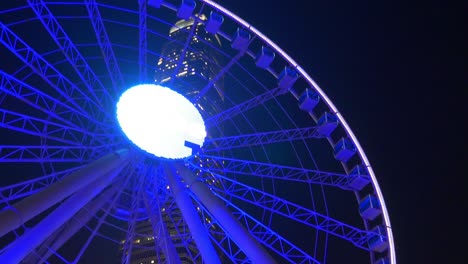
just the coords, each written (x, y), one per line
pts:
(369, 207)
(286, 79)
(344, 149)
(241, 39)
(378, 242)
(358, 178)
(264, 57)
(214, 23)
(326, 124)
(186, 9)
(308, 100)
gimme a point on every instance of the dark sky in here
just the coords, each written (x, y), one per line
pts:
(397, 73)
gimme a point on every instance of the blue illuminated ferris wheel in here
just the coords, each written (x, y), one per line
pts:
(274, 175)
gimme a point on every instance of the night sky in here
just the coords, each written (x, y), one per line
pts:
(397, 73)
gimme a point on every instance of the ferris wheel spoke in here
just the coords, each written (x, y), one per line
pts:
(105, 46)
(41, 101)
(268, 237)
(54, 154)
(47, 71)
(296, 212)
(142, 40)
(96, 89)
(17, 191)
(242, 107)
(220, 74)
(42, 128)
(260, 138)
(272, 171)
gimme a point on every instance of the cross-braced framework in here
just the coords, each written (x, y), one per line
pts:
(280, 177)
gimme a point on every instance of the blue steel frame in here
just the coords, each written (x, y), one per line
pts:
(73, 124)
(106, 47)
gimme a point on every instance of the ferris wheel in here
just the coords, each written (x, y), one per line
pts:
(254, 163)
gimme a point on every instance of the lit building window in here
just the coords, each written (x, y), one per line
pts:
(182, 74)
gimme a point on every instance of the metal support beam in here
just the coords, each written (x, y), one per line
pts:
(223, 71)
(300, 214)
(78, 154)
(191, 217)
(272, 171)
(95, 89)
(114, 191)
(55, 241)
(67, 89)
(40, 100)
(16, 215)
(106, 46)
(260, 138)
(40, 127)
(242, 107)
(26, 188)
(270, 238)
(17, 250)
(238, 233)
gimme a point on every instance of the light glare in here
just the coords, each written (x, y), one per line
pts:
(160, 120)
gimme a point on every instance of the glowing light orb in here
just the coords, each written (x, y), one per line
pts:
(160, 120)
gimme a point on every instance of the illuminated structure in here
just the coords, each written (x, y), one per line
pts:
(75, 187)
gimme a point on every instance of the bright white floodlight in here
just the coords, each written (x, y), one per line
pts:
(160, 121)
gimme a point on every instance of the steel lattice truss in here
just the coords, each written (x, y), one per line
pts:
(96, 89)
(262, 138)
(298, 213)
(61, 147)
(242, 107)
(48, 72)
(274, 171)
(105, 45)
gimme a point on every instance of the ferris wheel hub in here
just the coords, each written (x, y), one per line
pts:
(160, 121)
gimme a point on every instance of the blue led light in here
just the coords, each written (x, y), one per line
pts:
(160, 121)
